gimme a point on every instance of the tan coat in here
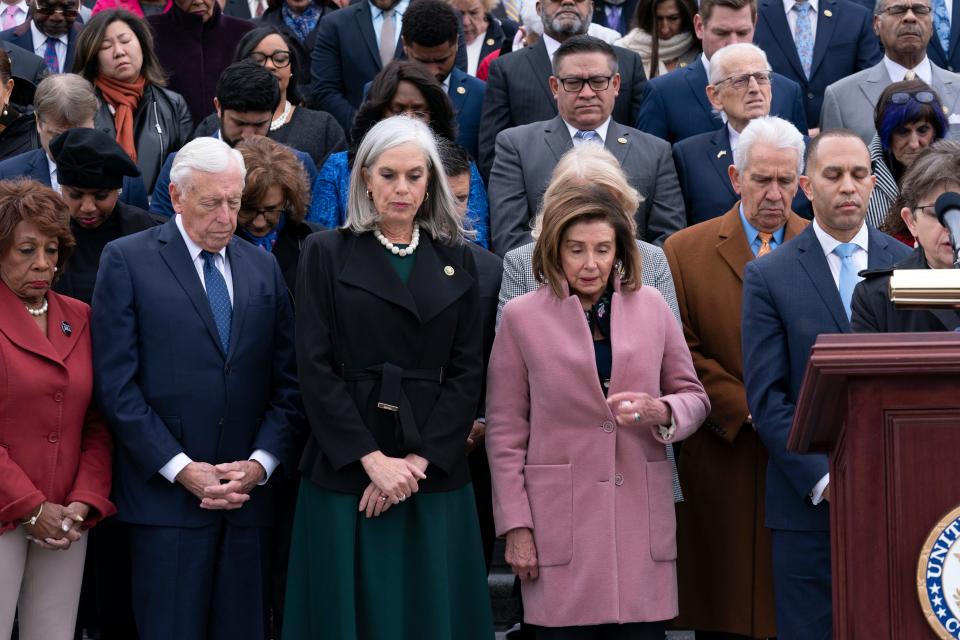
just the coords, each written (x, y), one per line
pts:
(724, 567)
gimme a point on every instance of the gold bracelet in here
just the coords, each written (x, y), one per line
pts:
(33, 520)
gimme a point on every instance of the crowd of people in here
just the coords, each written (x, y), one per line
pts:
(304, 303)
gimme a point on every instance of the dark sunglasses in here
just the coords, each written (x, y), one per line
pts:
(903, 97)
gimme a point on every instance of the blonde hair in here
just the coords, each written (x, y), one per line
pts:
(588, 185)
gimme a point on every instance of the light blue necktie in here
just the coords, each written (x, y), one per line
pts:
(219, 298)
(848, 274)
(803, 35)
(941, 23)
(588, 136)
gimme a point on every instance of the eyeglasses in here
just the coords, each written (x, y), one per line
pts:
(742, 81)
(279, 58)
(903, 97)
(47, 10)
(898, 10)
(923, 208)
(575, 85)
(272, 215)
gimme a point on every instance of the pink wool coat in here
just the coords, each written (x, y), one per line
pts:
(597, 496)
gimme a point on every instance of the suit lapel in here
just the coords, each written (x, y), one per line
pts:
(38, 168)
(540, 63)
(732, 243)
(364, 21)
(174, 253)
(22, 330)
(825, 27)
(696, 77)
(815, 265)
(949, 318)
(558, 137)
(58, 321)
(368, 268)
(874, 84)
(436, 281)
(776, 19)
(954, 31)
(615, 133)
(721, 157)
(241, 276)
(457, 97)
(945, 87)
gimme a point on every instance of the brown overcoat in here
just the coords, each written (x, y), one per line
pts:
(724, 558)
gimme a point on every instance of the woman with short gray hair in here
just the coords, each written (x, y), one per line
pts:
(385, 539)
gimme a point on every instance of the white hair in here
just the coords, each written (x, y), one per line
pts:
(770, 130)
(437, 214)
(722, 58)
(205, 154)
(530, 18)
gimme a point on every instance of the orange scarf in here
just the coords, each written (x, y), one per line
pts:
(124, 98)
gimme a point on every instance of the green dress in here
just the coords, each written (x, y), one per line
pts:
(415, 572)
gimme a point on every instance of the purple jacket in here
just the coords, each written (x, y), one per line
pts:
(194, 53)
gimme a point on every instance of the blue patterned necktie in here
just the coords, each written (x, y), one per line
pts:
(848, 274)
(588, 136)
(613, 16)
(803, 35)
(219, 298)
(941, 23)
(50, 56)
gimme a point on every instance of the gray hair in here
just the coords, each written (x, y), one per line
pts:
(530, 17)
(770, 130)
(589, 164)
(205, 154)
(65, 98)
(720, 59)
(438, 212)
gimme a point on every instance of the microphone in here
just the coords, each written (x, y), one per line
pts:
(947, 207)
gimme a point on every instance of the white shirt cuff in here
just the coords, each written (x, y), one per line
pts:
(175, 466)
(268, 461)
(667, 432)
(816, 496)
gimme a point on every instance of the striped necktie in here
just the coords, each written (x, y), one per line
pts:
(765, 247)
(512, 9)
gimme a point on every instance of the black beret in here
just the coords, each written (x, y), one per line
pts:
(90, 159)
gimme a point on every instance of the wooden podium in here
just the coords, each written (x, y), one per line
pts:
(886, 407)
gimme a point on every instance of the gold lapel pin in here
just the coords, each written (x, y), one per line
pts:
(946, 111)
(491, 42)
(622, 140)
(448, 270)
(721, 153)
(461, 90)
(828, 13)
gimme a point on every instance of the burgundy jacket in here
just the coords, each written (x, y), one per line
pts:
(194, 53)
(54, 445)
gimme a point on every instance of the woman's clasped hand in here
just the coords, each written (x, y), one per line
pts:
(57, 526)
(639, 409)
(392, 480)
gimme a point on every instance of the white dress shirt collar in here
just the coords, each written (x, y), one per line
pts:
(551, 44)
(40, 39)
(54, 180)
(828, 243)
(734, 137)
(789, 4)
(897, 71)
(192, 247)
(601, 130)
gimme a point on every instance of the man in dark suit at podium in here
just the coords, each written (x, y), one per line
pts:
(675, 105)
(789, 298)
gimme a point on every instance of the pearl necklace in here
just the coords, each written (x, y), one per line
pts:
(394, 249)
(282, 120)
(36, 313)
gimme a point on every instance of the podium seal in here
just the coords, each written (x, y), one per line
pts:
(938, 577)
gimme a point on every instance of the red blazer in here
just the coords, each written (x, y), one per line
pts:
(54, 445)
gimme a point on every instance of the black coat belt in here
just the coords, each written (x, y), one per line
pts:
(393, 399)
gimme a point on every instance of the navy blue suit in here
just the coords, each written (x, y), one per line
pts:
(466, 94)
(702, 163)
(675, 105)
(935, 52)
(33, 165)
(789, 298)
(345, 58)
(845, 44)
(22, 36)
(166, 386)
(160, 203)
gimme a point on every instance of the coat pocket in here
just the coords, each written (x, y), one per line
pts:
(550, 491)
(663, 520)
